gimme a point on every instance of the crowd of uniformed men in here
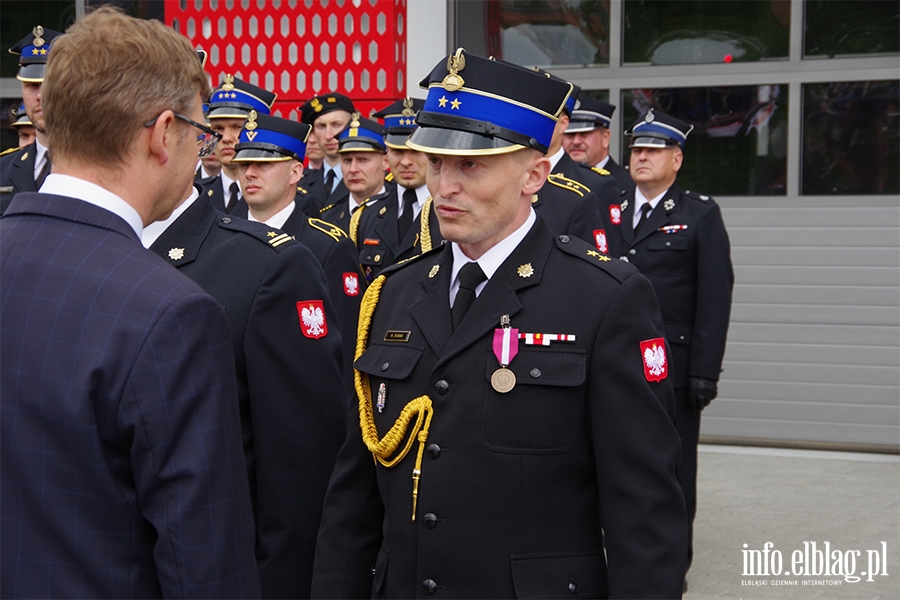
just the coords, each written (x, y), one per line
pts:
(553, 392)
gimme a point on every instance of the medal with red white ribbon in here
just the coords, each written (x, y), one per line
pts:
(506, 346)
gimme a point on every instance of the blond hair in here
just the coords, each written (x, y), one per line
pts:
(108, 75)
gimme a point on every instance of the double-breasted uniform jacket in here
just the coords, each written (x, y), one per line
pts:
(121, 459)
(17, 173)
(313, 181)
(338, 257)
(512, 485)
(683, 249)
(291, 393)
(379, 241)
(212, 190)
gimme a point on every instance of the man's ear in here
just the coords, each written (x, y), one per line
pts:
(536, 176)
(296, 172)
(161, 136)
(677, 159)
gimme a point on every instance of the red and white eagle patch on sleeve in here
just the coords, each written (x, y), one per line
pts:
(351, 284)
(600, 240)
(656, 365)
(312, 319)
(615, 213)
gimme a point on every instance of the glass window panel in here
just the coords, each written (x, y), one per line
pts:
(842, 29)
(533, 32)
(851, 138)
(705, 31)
(739, 143)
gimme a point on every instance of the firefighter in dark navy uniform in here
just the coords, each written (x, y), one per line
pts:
(287, 350)
(509, 443)
(586, 139)
(392, 229)
(328, 115)
(24, 169)
(679, 242)
(270, 154)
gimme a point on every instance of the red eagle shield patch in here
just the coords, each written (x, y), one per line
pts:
(351, 284)
(600, 240)
(615, 214)
(656, 364)
(312, 319)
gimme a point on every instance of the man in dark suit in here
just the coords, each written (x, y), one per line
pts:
(121, 465)
(229, 106)
(544, 448)
(363, 161)
(270, 166)
(24, 169)
(678, 240)
(327, 115)
(392, 229)
(586, 139)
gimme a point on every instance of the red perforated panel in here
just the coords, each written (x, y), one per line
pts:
(299, 48)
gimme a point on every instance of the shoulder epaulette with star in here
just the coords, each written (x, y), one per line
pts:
(560, 180)
(600, 171)
(273, 238)
(332, 231)
(696, 196)
(412, 259)
(619, 269)
(10, 151)
(324, 209)
(301, 190)
(389, 177)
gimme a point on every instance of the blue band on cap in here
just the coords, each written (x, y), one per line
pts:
(400, 121)
(362, 132)
(264, 136)
(32, 51)
(238, 96)
(661, 128)
(509, 115)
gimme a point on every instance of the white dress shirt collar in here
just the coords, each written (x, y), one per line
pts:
(72, 187)
(278, 219)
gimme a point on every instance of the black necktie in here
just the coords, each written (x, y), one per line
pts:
(45, 170)
(469, 278)
(235, 191)
(406, 219)
(645, 210)
(329, 182)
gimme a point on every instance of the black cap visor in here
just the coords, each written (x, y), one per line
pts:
(229, 111)
(397, 141)
(453, 142)
(652, 141)
(359, 145)
(33, 73)
(250, 152)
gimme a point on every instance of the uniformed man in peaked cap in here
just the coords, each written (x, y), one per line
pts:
(269, 155)
(363, 162)
(24, 169)
(392, 229)
(286, 341)
(328, 115)
(678, 240)
(229, 106)
(523, 446)
(23, 126)
(587, 136)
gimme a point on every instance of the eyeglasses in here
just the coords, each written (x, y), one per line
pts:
(207, 140)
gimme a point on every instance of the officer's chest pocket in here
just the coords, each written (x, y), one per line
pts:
(539, 415)
(372, 260)
(389, 367)
(668, 254)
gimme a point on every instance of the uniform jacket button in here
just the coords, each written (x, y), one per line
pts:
(429, 520)
(632, 252)
(226, 220)
(535, 372)
(433, 450)
(442, 387)
(564, 239)
(429, 586)
(573, 588)
(385, 366)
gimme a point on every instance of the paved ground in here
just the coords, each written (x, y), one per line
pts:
(756, 495)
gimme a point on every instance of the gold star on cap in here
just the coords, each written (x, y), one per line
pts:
(525, 270)
(434, 271)
(176, 253)
(455, 104)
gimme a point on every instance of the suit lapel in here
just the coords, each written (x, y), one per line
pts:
(521, 269)
(180, 243)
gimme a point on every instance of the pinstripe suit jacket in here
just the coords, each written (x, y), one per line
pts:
(120, 455)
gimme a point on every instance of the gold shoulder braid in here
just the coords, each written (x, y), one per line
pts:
(419, 407)
(354, 222)
(425, 227)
